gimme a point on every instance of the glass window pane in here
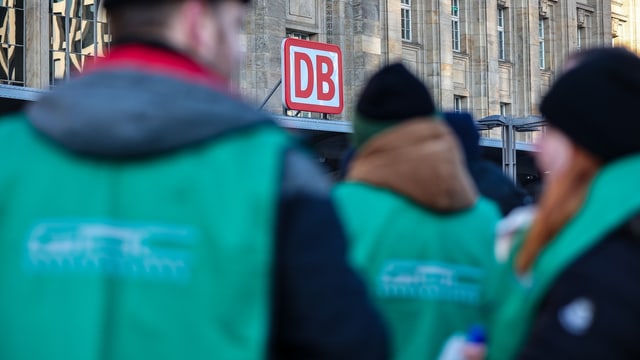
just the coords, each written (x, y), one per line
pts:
(76, 40)
(88, 38)
(75, 8)
(12, 39)
(58, 7)
(58, 41)
(89, 11)
(455, 27)
(75, 35)
(58, 65)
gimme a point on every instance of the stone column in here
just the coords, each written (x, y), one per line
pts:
(633, 29)
(565, 39)
(483, 57)
(392, 34)
(438, 52)
(265, 30)
(526, 70)
(602, 23)
(356, 28)
(37, 40)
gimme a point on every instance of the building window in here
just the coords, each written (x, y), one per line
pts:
(455, 24)
(405, 19)
(79, 34)
(12, 53)
(458, 104)
(302, 36)
(504, 109)
(502, 53)
(579, 36)
(617, 28)
(541, 41)
(620, 29)
(297, 35)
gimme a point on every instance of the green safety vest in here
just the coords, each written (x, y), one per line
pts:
(160, 258)
(613, 198)
(424, 269)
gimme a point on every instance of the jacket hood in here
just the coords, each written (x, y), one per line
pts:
(464, 127)
(420, 159)
(121, 113)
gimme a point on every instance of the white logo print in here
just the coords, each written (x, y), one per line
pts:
(155, 250)
(577, 317)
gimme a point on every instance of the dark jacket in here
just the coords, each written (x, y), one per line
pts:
(599, 288)
(490, 180)
(578, 300)
(412, 214)
(150, 101)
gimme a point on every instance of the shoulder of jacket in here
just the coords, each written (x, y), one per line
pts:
(511, 230)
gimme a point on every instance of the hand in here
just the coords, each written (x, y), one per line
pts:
(474, 351)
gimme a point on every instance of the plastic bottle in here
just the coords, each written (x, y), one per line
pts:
(455, 346)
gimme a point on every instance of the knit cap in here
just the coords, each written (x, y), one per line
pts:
(391, 96)
(594, 103)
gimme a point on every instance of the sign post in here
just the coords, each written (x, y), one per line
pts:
(312, 76)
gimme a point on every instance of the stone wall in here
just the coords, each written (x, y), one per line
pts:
(369, 33)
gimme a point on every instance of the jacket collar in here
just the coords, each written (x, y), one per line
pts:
(157, 58)
(140, 101)
(421, 160)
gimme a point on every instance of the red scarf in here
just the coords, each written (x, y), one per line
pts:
(157, 60)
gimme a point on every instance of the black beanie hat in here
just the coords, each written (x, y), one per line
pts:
(466, 130)
(394, 94)
(594, 103)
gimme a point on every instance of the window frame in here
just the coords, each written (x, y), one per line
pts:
(298, 35)
(502, 46)
(455, 26)
(71, 19)
(458, 103)
(505, 109)
(579, 34)
(542, 56)
(406, 23)
(14, 48)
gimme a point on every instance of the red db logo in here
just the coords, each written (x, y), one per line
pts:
(312, 75)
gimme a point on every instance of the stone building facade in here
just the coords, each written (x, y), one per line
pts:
(487, 57)
(44, 41)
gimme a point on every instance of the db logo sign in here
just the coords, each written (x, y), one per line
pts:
(312, 75)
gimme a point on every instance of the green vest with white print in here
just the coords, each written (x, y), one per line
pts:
(166, 257)
(425, 270)
(612, 200)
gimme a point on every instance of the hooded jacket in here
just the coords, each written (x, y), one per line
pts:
(488, 178)
(577, 301)
(419, 234)
(147, 213)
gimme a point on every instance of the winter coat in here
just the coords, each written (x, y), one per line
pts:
(489, 179)
(578, 301)
(419, 234)
(146, 213)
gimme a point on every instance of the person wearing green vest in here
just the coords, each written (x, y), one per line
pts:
(417, 230)
(567, 287)
(148, 213)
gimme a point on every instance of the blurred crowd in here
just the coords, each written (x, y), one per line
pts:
(176, 221)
